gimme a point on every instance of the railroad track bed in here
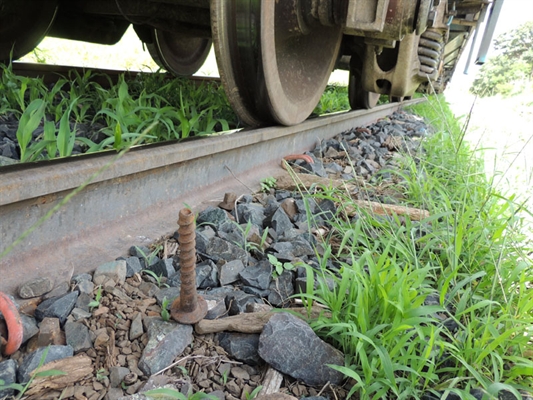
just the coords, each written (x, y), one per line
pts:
(110, 320)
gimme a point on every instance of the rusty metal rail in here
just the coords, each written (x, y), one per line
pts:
(138, 198)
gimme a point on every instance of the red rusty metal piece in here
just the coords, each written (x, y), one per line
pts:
(13, 322)
(189, 307)
(304, 157)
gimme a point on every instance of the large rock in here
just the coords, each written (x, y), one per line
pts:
(289, 345)
(237, 301)
(281, 289)
(280, 222)
(241, 346)
(258, 276)
(214, 217)
(163, 267)
(33, 360)
(29, 326)
(7, 161)
(166, 340)
(36, 287)
(133, 266)
(220, 248)
(206, 275)
(253, 213)
(229, 272)
(57, 307)
(115, 270)
(77, 335)
(8, 373)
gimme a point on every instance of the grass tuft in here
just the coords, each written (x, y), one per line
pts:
(52, 119)
(443, 304)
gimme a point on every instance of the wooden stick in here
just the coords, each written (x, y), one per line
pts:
(75, 368)
(287, 182)
(415, 214)
(249, 322)
(272, 382)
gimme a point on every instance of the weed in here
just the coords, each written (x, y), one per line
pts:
(251, 245)
(164, 310)
(334, 99)
(469, 255)
(279, 267)
(158, 278)
(253, 395)
(101, 374)
(29, 121)
(225, 375)
(150, 258)
(181, 108)
(96, 302)
(268, 183)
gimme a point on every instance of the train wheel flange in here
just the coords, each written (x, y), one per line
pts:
(23, 24)
(178, 54)
(273, 64)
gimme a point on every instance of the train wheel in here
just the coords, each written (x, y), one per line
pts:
(360, 98)
(274, 65)
(177, 54)
(23, 24)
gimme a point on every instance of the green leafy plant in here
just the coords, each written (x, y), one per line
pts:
(253, 395)
(248, 245)
(29, 121)
(165, 315)
(225, 375)
(96, 302)
(158, 278)
(151, 257)
(181, 108)
(419, 307)
(334, 99)
(279, 267)
(101, 374)
(268, 183)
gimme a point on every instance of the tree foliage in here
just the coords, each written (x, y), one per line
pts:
(511, 69)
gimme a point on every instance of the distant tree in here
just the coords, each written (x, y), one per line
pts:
(512, 67)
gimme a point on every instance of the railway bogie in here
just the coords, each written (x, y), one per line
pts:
(274, 57)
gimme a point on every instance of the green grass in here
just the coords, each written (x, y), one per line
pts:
(123, 110)
(469, 255)
(180, 107)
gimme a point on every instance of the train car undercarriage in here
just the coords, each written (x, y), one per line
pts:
(274, 57)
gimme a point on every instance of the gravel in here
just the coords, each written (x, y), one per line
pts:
(133, 349)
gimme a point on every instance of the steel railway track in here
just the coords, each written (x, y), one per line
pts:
(137, 199)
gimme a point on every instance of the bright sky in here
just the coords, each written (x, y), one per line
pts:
(514, 13)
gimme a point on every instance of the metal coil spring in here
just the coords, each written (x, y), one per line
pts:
(429, 51)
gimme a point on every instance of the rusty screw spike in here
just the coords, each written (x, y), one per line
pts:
(188, 308)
